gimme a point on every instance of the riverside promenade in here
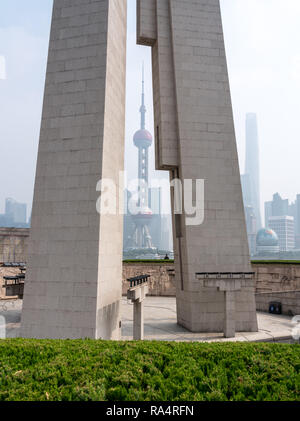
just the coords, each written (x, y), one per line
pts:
(161, 325)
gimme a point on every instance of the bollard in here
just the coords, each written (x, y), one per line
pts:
(137, 295)
(138, 320)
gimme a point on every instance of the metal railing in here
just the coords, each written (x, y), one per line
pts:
(14, 285)
(12, 265)
(226, 275)
(138, 280)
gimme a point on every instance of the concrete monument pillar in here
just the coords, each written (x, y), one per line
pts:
(195, 139)
(229, 328)
(137, 295)
(73, 281)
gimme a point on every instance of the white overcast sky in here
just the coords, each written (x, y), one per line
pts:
(263, 51)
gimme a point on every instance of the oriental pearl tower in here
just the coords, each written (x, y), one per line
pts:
(142, 139)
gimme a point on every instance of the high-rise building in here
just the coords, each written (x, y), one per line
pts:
(249, 213)
(251, 183)
(15, 215)
(280, 206)
(246, 189)
(252, 166)
(284, 226)
(6, 221)
(251, 228)
(16, 211)
(268, 213)
(297, 222)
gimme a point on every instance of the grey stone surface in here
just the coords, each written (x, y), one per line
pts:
(290, 301)
(195, 139)
(73, 282)
(161, 324)
(13, 245)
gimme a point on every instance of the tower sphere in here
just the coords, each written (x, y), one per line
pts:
(142, 139)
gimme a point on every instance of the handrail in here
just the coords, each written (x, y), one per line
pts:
(228, 275)
(138, 280)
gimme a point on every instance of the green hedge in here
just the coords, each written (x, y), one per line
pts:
(281, 262)
(170, 261)
(160, 371)
(254, 262)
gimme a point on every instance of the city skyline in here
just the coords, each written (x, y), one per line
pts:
(24, 37)
(150, 184)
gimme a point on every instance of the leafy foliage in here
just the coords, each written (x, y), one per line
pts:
(170, 261)
(254, 262)
(85, 370)
(277, 262)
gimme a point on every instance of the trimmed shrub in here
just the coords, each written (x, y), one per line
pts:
(87, 370)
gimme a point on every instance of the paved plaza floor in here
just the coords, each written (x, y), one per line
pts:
(160, 323)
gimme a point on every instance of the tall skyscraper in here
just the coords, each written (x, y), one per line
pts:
(246, 189)
(284, 226)
(268, 213)
(16, 212)
(297, 221)
(278, 208)
(252, 165)
(251, 228)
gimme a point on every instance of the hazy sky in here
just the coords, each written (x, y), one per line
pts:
(263, 51)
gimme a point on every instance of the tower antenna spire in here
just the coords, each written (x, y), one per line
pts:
(143, 78)
(143, 107)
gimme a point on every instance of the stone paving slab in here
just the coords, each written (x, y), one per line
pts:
(160, 324)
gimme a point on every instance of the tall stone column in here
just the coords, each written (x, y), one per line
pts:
(73, 281)
(137, 295)
(138, 320)
(195, 140)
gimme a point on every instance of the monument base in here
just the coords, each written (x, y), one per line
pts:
(205, 310)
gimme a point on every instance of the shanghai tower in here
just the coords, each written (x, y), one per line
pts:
(252, 169)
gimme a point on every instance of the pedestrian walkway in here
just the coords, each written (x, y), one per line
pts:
(161, 325)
